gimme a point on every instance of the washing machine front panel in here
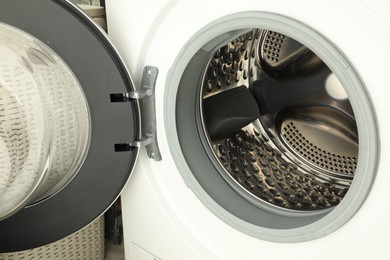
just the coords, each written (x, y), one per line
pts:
(249, 158)
(38, 35)
(196, 223)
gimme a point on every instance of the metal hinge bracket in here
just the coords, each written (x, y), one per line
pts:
(146, 99)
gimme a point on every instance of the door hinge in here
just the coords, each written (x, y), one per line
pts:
(141, 143)
(146, 99)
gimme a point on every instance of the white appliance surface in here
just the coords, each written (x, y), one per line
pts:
(163, 219)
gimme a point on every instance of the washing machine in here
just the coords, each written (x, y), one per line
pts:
(271, 129)
(250, 129)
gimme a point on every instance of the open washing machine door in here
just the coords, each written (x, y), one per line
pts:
(69, 129)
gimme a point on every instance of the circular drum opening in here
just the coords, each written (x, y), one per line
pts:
(286, 146)
(44, 121)
(272, 125)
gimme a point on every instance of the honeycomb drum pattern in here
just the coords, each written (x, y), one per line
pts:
(228, 67)
(251, 159)
(307, 149)
(272, 45)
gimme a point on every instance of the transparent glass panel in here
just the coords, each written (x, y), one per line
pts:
(44, 121)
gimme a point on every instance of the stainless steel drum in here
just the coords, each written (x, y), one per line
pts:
(279, 122)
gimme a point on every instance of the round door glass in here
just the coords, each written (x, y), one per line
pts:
(44, 121)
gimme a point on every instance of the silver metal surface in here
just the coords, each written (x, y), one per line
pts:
(229, 66)
(326, 146)
(259, 167)
(301, 153)
(146, 99)
(284, 58)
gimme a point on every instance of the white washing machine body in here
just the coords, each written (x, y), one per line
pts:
(296, 168)
(166, 214)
